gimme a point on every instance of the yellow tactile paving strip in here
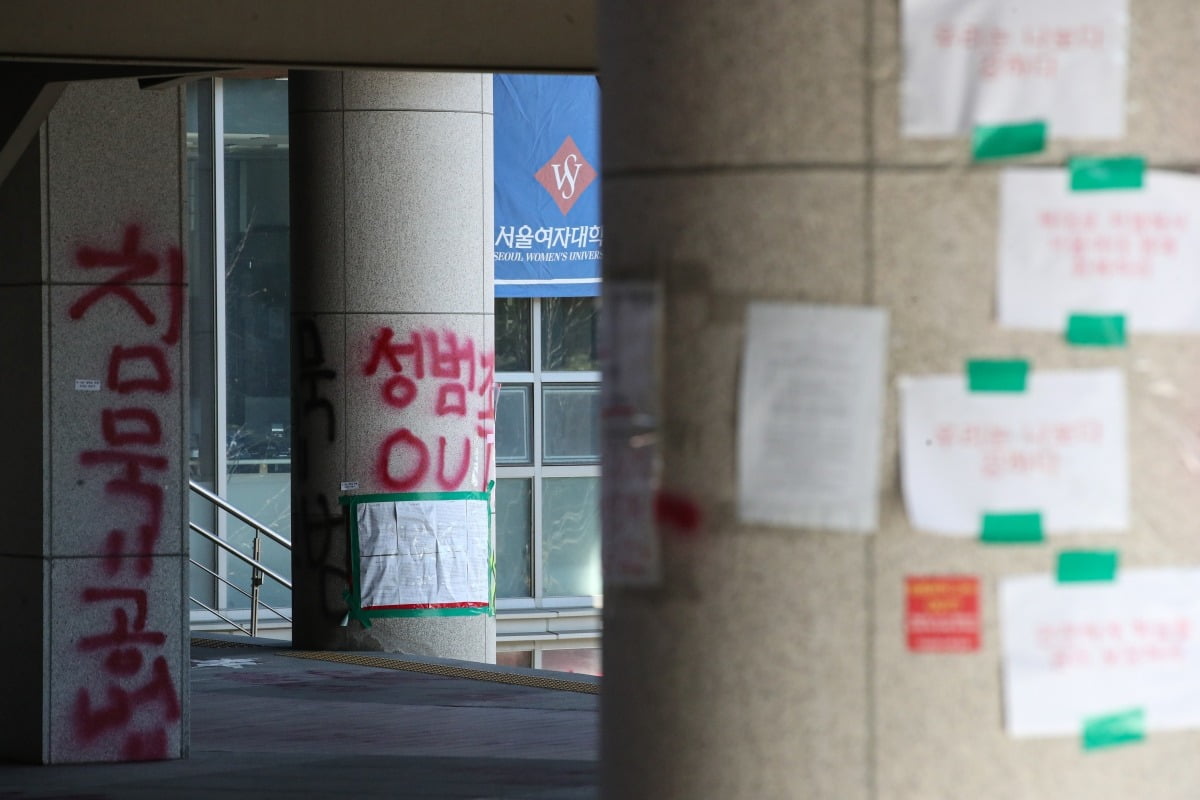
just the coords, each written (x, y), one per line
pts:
(198, 641)
(515, 679)
(446, 671)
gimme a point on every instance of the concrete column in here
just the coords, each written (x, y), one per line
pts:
(93, 559)
(734, 142)
(391, 251)
(752, 151)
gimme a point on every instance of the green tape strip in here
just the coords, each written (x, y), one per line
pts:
(354, 611)
(354, 595)
(1087, 566)
(491, 551)
(1020, 528)
(1118, 172)
(376, 613)
(1096, 330)
(997, 375)
(400, 497)
(1002, 141)
(492, 577)
(1110, 730)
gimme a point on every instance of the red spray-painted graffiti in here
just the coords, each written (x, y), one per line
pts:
(437, 375)
(138, 707)
(677, 512)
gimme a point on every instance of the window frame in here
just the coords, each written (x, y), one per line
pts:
(211, 142)
(538, 471)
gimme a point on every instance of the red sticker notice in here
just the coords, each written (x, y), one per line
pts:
(942, 614)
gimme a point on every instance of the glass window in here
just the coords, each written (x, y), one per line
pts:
(569, 334)
(201, 297)
(238, 249)
(267, 497)
(514, 334)
(582, 661)
(202, 398)
(256, 107)
(201, 584)
(514, 425)
(514, 529)
(571, 536)
(548, 444)
(514, 658)
(257, 281)
(571, 423)
(258, 372)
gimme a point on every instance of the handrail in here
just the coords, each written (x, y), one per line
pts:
(258, 569)
(224, 505)
(228, 548)
(240, 591)
(218, 614)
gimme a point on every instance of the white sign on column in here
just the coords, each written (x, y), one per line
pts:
(810, 416)
(630, 329)
(1131, 252)
(1057, 448)
(1079, 650)
(989, 62)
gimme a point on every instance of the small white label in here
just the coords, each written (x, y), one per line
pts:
(491, 438)
(349, 485)
(87, 385)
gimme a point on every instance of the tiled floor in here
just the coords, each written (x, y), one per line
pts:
(265, 725)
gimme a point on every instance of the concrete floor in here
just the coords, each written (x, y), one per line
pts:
(266, 725)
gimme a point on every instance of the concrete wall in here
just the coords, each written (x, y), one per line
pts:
(391, 220)
(94, 560)
(937, 724)
(752, 151)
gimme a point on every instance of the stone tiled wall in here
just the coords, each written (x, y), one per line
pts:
(93, 561)
(753, 152)
(391, 222)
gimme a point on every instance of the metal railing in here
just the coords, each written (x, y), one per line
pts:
(258, 570)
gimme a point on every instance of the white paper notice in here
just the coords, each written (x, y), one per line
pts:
(420, 554)
(1134, 252)
(631, 328)
(1058, 448)
(810, 414)
(989, 62)
(1078, 650)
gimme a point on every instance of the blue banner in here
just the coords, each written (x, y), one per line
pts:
(547, 160)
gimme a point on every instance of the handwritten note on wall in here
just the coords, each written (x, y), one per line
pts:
(970, 62)
(1135, 252)
(1058, 448)
(1079, 650)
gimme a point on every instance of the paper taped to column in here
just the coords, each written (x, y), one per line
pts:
(1081, 650)
(420, 554)
(810, 412)
(630, 341)
(1057, 449)
(1129, 252)
(992, 62)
